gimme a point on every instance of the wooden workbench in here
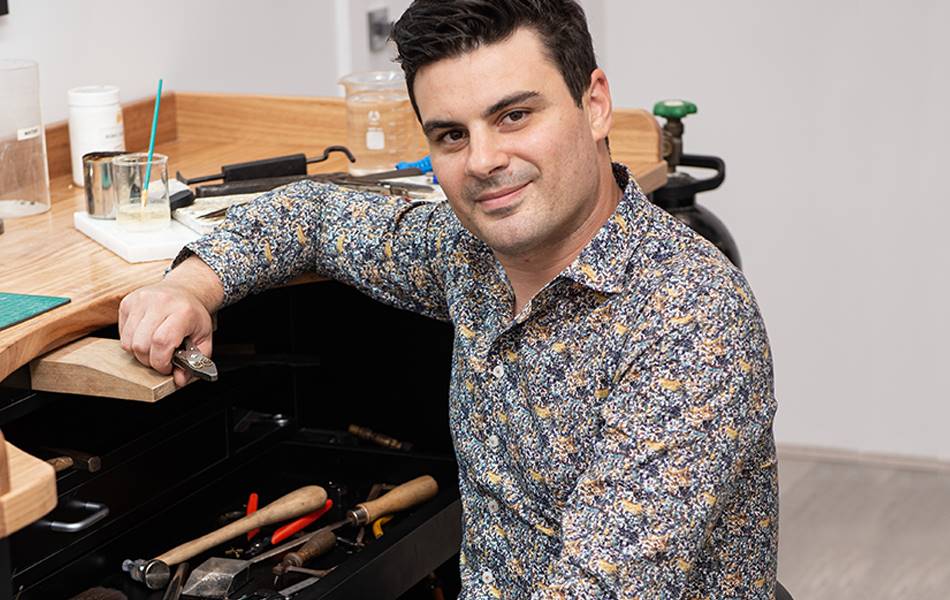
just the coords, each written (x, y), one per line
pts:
(45, 255)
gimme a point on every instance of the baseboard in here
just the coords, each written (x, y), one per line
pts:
(837, 455)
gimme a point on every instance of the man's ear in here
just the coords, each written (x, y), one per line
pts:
(599, 105)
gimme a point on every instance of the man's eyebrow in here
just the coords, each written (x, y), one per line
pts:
(429, 126)
(507, 101)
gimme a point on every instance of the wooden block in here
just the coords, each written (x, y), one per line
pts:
(636, 141)
(98, 367)
(31, 491)
(635, 137)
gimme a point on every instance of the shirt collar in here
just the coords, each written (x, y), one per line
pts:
(603, 262)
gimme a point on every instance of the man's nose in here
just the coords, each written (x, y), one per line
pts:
(485, 155)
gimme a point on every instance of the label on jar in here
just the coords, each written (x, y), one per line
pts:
(375, 139)
(28, 133)
(114, 137)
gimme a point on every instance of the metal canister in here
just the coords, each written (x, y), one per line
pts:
(678, 196)
(99, 185)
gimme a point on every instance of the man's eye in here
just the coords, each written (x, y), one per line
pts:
(515, 116)
(452, 136)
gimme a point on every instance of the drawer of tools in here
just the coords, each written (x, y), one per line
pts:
(371, 548)
(114, 464)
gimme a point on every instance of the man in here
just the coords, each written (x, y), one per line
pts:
(611, 400)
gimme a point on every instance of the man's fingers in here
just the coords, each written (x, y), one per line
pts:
(166, 338)
(204, 345)
(127, 328)
(181, 377)
(142, 337)
(154, 320)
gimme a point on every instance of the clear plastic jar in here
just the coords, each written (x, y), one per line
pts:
(24, 175)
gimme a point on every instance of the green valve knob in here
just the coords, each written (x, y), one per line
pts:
(673, 109)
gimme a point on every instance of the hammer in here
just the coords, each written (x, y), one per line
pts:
(155, 573)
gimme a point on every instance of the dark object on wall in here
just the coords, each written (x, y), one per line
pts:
(3, 7)
(678, 196)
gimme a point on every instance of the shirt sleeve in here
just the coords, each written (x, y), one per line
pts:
(690, 406)
(386, 247)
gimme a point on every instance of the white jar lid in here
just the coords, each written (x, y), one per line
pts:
(93, 95)
(13, 64)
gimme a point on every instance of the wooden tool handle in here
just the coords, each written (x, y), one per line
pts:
(318, 545)
(60, 463)
(296, 503)
(399, 498)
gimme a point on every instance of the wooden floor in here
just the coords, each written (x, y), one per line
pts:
(860, 528)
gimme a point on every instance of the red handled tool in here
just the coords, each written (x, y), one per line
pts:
(300, 524)
(251, 508)
(288, 530)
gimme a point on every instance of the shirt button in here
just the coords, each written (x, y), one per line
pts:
(493, 505)
(493, 441)
(498, 371)
(488, 578)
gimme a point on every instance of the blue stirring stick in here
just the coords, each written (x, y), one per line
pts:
(151, 144)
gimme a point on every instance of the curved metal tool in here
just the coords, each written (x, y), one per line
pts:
(189, 358)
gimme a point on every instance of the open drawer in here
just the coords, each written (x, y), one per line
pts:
(414, 543)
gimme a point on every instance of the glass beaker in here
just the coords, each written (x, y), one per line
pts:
(24, 176)
(135, 210)
(379, 120)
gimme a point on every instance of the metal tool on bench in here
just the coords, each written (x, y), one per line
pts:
(189, 358)
(378, 183)
(220, 577)
(154, 573)
(278, 166)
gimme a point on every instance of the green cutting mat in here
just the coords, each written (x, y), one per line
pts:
(16, 308)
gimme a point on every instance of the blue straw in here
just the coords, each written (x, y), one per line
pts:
(151, 142)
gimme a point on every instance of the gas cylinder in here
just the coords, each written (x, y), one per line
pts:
(678, 196)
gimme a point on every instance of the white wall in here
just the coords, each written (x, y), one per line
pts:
(276, 47)
(353, 49)
(832, 118)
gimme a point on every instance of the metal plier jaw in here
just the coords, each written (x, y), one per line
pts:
(189, 358)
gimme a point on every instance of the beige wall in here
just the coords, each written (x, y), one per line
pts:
(289, 47)
(833, 120)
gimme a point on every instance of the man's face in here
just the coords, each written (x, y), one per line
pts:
(514, 153)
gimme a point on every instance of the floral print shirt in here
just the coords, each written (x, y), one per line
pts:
(614, 439)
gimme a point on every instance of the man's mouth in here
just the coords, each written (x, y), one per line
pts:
(495, 199)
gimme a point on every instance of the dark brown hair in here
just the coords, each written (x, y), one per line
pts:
(431, 30)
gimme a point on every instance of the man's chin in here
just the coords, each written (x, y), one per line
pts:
(507, 242)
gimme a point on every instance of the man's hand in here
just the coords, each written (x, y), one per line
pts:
(154, 320)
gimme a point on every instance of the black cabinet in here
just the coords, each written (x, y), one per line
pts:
(299, 365)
